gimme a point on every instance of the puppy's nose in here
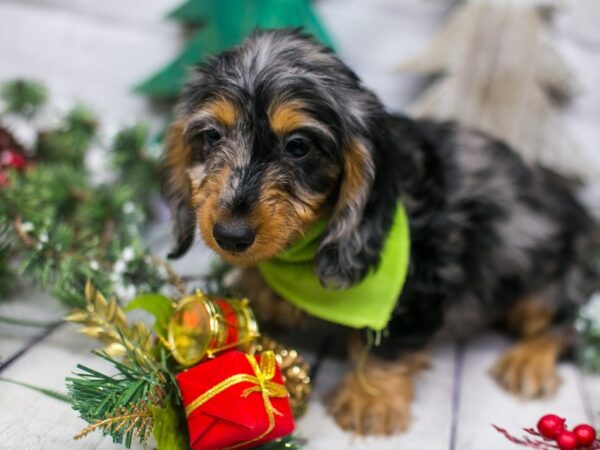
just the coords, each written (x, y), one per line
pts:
(234, 236)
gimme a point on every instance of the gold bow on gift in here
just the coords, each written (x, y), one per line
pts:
(262, 379)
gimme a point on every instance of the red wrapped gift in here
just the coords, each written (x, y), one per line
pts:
(235, 401)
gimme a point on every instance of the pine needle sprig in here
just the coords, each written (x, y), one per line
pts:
(119, 405)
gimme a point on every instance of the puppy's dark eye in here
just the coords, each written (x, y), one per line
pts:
(297, 147)
(211, 136)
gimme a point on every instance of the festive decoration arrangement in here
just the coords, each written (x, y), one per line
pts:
(552, 433)
(199, 379)
(223, 24)
(61, 223)
(71, 230)
(499, 72)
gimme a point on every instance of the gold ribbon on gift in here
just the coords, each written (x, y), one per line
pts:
(263, 383)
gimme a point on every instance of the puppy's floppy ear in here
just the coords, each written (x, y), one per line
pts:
(337, 260)
(176, 188)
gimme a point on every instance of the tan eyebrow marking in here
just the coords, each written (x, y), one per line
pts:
(288, 116)
(223, 111)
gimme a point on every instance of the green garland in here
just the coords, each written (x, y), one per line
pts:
(58, 226)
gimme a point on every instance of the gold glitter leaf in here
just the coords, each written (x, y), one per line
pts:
(105, 321)
(115, 350)
(77, 317)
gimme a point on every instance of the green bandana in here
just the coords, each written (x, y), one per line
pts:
(367, 304)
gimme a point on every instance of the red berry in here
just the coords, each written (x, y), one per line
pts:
(586, 435)
(567, 440)
(12, 159)
(550, 426)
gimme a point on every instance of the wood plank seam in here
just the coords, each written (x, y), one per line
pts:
(459, 360)
(29, 345)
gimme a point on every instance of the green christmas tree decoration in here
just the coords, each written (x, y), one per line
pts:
(224, 24)
(194, 12)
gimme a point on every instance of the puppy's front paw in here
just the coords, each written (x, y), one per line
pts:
(529, 368)
(385, 409)
(339, 268)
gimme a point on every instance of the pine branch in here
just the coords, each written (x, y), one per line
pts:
(131, 160)
(62, 227)
(119, 405)
(23, 97)
(66, 231)
(69, 143)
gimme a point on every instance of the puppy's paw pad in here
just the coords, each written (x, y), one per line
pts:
(528, 370)
(385, 411)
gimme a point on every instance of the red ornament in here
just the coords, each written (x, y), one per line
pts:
(235, 401)
(586, 435)
(12, 158)
(550, 426)
(567, 440)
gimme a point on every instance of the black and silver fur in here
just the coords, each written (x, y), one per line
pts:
(486, 229)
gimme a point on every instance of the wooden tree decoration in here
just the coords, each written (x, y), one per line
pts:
(499, 73)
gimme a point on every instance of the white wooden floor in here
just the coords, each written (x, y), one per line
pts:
(95, 51)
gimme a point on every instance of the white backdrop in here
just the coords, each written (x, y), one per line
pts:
(97, 50)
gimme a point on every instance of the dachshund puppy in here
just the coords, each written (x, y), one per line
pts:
(278, 134)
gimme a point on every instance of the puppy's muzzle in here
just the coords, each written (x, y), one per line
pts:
(234, 235)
